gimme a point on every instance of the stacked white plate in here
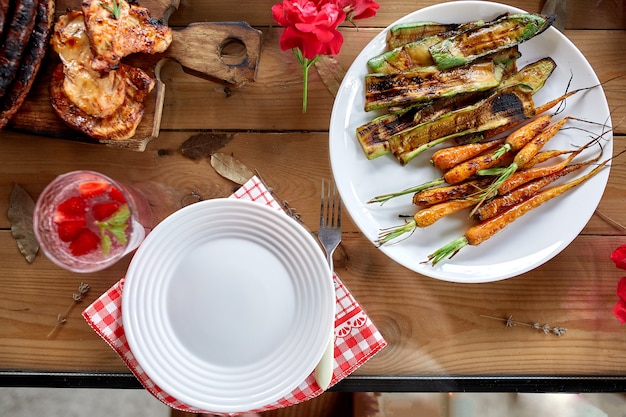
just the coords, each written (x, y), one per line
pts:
(228, 305)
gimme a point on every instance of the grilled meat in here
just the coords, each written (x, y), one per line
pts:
(4, 11)
(121, 124)
(113, 37)
(31, 62)
(15, 39)
(98, 95)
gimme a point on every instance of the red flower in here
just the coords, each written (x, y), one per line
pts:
(359, 9)
(619, 310)
(310, 26)
(619, 257)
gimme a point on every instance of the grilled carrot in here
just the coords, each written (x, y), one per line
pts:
(436, 195)
(456, 175)
(522, 157)
(424, 218)
(447, 158)
(481, 232)
(544, 156)
(538, 111)
(425, 186)
(467, 169)
(524, 134)
(521, 177)
(550, 104)
(531, 149)
(503, 202)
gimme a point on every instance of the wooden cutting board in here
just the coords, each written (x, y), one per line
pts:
(198, 48)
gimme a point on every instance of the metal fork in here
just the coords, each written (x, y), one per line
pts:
(330, 221)
(329, 235)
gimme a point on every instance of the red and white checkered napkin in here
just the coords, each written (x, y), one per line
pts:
(356, 337)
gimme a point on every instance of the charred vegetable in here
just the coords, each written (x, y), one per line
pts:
(425, 84)
(373, 136)
(405, 57)
(404, 33)
(490, 37)
(481, 232)
(499, 109)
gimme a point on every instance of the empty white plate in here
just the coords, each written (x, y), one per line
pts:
(228, 305)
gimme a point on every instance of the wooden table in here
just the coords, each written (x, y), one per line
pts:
(438, 339)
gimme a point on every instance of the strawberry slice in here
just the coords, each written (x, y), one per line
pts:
(117, 195)
(69, 230)
(105, 210)
(89, 189)
(86, 241)
(71, 209)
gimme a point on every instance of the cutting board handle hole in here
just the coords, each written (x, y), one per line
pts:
(233, 51)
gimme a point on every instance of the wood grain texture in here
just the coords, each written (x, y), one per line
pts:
(581, 14)
(432, 327)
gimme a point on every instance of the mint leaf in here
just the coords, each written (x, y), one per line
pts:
(105, 243)
(115, 225)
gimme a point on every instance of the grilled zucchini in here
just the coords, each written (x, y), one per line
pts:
(484, 39)
(502, 107)
(404, 33)
(425, 84)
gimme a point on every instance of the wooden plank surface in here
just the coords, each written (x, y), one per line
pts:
(432, 327)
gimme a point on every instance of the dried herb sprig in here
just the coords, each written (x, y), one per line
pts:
(115, 9)
(290, 211)
(610, 220)
(546, 328)
(83, 289)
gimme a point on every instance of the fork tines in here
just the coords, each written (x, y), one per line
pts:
(330, 208)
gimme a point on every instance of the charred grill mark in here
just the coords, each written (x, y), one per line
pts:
(489, 38)
(31, 62)
(120, 125)
(507, 104)
(4, 12)
(426, 84)
(439, 195)
(14, 44)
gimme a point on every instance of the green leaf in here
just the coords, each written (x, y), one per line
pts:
(115, 9)
(115, 225)
(106, 242)
(120, 217)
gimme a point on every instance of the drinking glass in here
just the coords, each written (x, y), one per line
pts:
(85, 221)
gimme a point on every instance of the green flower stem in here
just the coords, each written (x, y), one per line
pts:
(306, 64)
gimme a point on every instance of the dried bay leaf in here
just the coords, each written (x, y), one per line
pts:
(229, 167)
(203, 145)
(21, 209)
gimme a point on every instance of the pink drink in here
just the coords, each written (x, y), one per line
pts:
(85, 221)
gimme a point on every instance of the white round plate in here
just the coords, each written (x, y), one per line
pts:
(228, 305)
(529, 241)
